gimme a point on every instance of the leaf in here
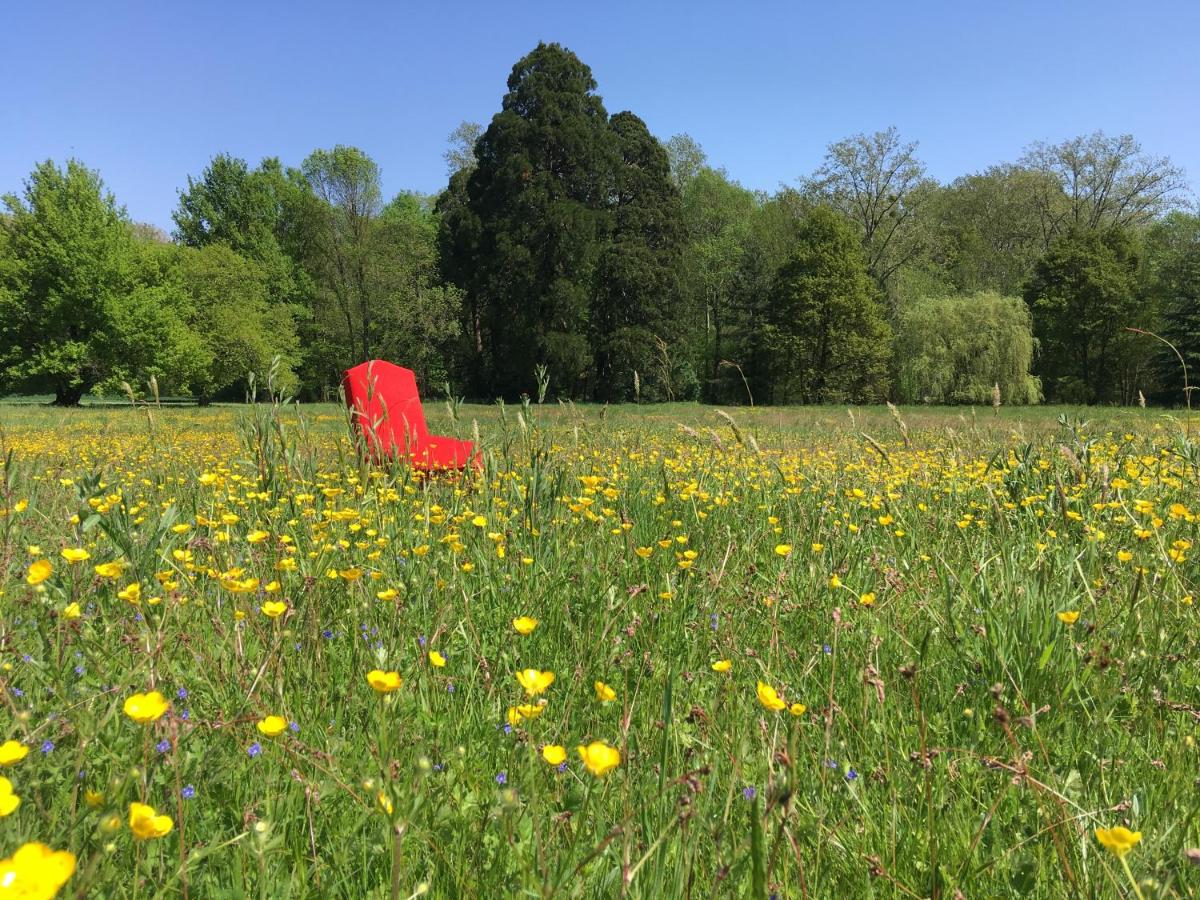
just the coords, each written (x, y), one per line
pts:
(1045, 656)
(758, 854)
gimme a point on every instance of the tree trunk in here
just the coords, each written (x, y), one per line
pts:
(67, 395)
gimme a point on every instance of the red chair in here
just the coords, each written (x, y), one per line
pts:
(386, 408)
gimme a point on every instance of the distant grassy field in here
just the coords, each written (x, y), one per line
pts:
(800, 652)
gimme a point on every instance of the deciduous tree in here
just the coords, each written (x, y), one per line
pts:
(827, 332)
(875, 180)
(1083, 295)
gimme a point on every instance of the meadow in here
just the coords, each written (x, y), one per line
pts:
(653, 651)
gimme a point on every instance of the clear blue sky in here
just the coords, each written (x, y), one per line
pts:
(148, 92)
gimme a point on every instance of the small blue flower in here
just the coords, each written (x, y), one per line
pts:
(562, 766)
(421, 640)
(163, 746)
(749, 792)
(826, 648)
(47, 746)
(188, 792)
(327, 634)
(502, 778)
(254, 749)
(295, 727)
(181, 693)
(450, 688)
(851, 774)
(831, 763)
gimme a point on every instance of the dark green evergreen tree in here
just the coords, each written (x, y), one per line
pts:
(634, 322)
(457, 239)
(541, 192)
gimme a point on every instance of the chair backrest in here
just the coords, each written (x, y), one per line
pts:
(386, 405)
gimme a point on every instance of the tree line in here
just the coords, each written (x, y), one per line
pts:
(574, 243)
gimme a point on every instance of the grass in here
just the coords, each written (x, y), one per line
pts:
(900, 577)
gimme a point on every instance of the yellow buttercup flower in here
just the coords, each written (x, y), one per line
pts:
(517, 714)
(1069, 617)
(388, 594)
(722, 665)
(146, 708)
(240, 585)
(109, 569)
(783, 549)
(384, 682)
(39, 571)
(599, 758)
(272, 726)
(257, 536)
(131, 593)
(437, 660)
(797, 709)
(385, 802)
(12, 752)
(867, 599)
(534, 681)
(75, 554)
(769, 698)
(554, 754)
(273, 609)
(524, 625)
(604, 693)
(1119, 840)
(35, 871)
(72, 611)
(94, 799)
(8, 800)
(146, 823)
(644, 552)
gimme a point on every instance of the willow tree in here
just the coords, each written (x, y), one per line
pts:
(959, 348)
